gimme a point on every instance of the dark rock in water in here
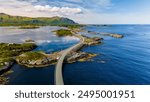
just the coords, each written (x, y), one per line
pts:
(75, 56)
(91, 32)
(79, 56)
(97, 38)
(92, 41)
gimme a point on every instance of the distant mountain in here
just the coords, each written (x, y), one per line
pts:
(9, 20)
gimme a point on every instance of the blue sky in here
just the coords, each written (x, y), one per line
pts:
(83, 11)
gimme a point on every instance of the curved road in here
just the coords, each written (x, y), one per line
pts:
(59, 65)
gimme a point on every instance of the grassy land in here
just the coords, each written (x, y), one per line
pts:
(75, 26)
(31, 56)
(63, 32)
(29, 27)
(16, 47)
(8, 51)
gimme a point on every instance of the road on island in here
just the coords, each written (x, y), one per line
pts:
(58, 70)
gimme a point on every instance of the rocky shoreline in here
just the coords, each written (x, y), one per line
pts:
(114, 35)
(41, 59)
(79, 56)
(22, 53)
(3, 73)
(92, 41)
(107, 34)
(3, 78)
(51, 59)
(6, 67)
(8, 53)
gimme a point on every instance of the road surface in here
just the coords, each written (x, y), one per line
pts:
(59, 65)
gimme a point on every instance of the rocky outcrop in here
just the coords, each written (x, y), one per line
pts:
(74, 56)
(91, 32)
(6, 67)
(93, 41)
(97, 38)
(4, 77)
(116, 35)
(3, 80)
(112, 35)
(51, 59)
(79, 56)
(36, 61)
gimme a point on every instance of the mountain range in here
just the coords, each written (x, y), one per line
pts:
(9, 20)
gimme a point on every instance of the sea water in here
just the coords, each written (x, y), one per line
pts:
(123, 61)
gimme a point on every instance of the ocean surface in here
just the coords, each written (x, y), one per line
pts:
(123, 61)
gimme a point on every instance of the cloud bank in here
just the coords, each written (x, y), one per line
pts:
(32, 8)
(59, 10)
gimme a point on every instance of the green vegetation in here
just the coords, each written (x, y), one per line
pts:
(92, 41)
(4, 77)
(3, 80)
(8, 51)
(74, 26)
(8, 20)
(63, 32)
(29, 27)
(17, 47)
(31, 56)
(29, 41)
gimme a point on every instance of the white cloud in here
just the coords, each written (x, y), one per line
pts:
(59, 10)
(24, 8)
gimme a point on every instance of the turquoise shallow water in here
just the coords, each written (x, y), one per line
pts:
(120, 61)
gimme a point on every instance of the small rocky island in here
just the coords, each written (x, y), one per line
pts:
(41, 59)
(114, 35)
(63, 32)
(107, 34)
(92, 41)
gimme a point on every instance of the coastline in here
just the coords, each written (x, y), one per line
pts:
(51, 59)
(7, 68)
(88, 41)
